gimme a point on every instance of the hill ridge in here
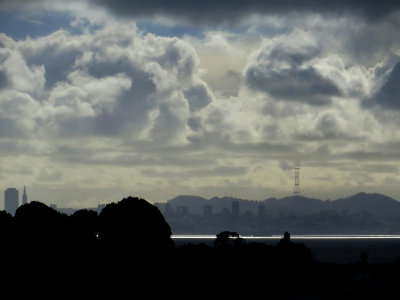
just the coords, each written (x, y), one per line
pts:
(374, 203)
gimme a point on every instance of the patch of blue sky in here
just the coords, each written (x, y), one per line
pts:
(174, 30)
(255, 28)
(181, 29)
(20, 25)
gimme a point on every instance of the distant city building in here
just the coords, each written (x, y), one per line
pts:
(235, 209)
(100, 207)
(11, 200)
(24, 197)
(67, 210)
(261, 210)
(168, 209)
(182, 210)
(225, 211)
(207, 210)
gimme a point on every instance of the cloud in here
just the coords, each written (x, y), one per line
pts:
(199, 96)
(388, 96)
(207, 12)
(113, 106)
(286, 68)
(17, 114)
(331, 126)
(111, 82)
(217, 12)
(200, 172)
(49, 175)
(19, 75)
(285, 166)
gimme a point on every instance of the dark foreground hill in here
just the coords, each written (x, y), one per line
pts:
(127, 252)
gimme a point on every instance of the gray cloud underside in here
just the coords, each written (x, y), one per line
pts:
(217, 12)
(229, 11)
(211, 172)
(389, 94)
(294, 85)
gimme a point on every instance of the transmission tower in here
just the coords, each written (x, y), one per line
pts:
(296, 190)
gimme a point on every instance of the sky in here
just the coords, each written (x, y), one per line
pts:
(104, 99)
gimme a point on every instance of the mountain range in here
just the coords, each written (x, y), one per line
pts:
(371, 203)
(361, 213)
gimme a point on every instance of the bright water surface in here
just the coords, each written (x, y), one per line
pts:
(325, 248)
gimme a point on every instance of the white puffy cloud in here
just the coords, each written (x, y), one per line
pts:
(298, 66)
(223, 55)
(16, 73)
(17, 114)
(113, 81)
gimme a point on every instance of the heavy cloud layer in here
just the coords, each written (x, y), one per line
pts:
(229, 11)
(114, 106)
(285, 69)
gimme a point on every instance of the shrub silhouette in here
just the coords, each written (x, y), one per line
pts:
(228, 239)
(293, 253)
(84, 226)
(134, 224)
(6, 228)
(37, 222)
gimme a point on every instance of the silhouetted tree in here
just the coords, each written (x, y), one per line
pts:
(84, 226)
(35, 220)
(227, 240)
(7, 232)
(42, 235)
(285, 241)
(6, 223)
(134, 224)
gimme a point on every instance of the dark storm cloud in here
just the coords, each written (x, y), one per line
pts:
(198, 97)
(233, 10)
(294, 85)
(286, 69)
(388, 95)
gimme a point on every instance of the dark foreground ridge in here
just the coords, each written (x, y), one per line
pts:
(127, 252)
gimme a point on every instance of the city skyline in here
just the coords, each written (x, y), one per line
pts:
(100, 100)
(11, 199)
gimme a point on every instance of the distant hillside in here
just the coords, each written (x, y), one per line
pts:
(195, 204)
(293, 206)
(375, 204)
(361, 213)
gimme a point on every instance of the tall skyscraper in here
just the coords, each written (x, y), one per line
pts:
(11, 200)
(24, 197)
(235, 209)
(261, 210)
(207, 211)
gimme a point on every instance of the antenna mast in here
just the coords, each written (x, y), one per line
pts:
(296, 190)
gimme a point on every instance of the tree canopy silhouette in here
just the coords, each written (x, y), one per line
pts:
(84, 227)
(36, 221)
(134, 224)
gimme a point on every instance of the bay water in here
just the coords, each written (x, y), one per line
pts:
(340, 249)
